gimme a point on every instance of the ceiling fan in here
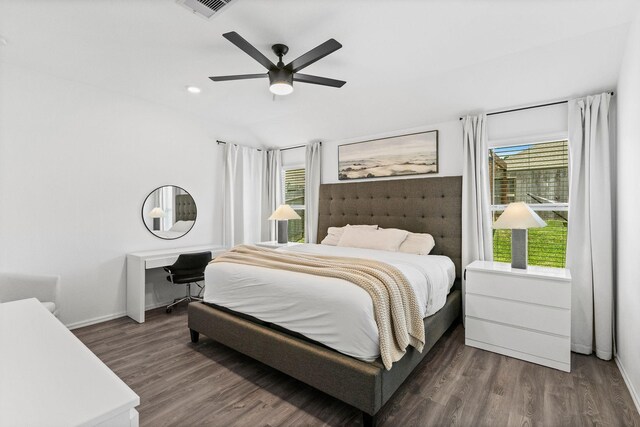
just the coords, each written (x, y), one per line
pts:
(281, 76)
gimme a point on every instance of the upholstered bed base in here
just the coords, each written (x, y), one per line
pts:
(366, 386)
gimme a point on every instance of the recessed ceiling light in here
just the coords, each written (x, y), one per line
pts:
(193, 89)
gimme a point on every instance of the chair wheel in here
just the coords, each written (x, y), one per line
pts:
(169, 310)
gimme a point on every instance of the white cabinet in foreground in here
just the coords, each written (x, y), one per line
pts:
(49, 378)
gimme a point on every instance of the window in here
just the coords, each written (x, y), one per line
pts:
(537, 174)
(294, 197)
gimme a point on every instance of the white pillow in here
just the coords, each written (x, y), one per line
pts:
(367, 238)
(334, 233)
(182, 226)
(417, 243)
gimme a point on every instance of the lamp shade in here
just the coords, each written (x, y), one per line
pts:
(156, 213)
(519, 216)
(283, 213)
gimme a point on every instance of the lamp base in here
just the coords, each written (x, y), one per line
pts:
(283, 232)
(156, 224)
(519, 248)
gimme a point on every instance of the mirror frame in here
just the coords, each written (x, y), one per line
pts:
(145, 223)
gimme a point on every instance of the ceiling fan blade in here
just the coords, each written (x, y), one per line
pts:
(248, 48)
(314, 55)
(238, 77)
(323, 81)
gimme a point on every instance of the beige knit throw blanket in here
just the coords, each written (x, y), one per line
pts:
(395, 307)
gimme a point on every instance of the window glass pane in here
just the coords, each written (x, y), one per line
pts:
(534, 173)
(294, 187)
(538, 175)
(546, 246)
(294, 196)
(296, 227)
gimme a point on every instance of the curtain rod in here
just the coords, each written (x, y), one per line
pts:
(225, 142)
(282, 149)
(293, 147)
(532, 106)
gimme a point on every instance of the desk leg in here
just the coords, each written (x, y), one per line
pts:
(135, 288)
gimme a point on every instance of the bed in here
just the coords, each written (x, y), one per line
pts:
(353, 374)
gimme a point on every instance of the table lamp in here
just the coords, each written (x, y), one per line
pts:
(156, 214)
(283, 214)
(518, 217)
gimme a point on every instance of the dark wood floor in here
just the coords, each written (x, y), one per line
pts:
(182, 384)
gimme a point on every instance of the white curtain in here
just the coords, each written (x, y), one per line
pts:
(589, 239)
(165, 200)
(272, 191)
(242, 217)
(312, 170)
(476, 206)
(168, 205)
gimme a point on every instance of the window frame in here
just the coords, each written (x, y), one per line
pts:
(538, 207)
(284, 175)
(302, 207)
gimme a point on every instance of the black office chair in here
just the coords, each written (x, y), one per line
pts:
(188, 269)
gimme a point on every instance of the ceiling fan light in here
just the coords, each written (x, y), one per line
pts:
(281, 88)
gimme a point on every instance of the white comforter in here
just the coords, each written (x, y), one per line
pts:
(331, 311)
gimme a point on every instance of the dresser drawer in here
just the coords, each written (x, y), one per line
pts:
(531, 316)
(553, 293)
(525, 341)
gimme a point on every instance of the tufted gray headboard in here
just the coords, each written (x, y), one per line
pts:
(424, 205)
(185, 208)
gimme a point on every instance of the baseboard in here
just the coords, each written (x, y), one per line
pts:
(108, 317)
(95, 320)
(634, 394)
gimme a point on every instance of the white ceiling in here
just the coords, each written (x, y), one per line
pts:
(407, 63)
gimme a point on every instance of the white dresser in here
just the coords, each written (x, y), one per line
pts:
(49, 378)
(519, 313)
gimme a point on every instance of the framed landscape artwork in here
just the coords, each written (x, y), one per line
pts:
(413, 154)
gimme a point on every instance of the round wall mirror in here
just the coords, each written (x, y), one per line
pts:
(169, 212)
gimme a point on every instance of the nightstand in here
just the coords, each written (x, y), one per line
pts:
(520, 313)
(273, 244)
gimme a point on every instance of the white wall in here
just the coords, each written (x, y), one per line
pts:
(543, 124)
(628, 237)
(293, 158)
(449, 151)
(76, 164)
(527, 126)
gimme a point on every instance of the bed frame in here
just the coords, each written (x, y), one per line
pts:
(432, 205)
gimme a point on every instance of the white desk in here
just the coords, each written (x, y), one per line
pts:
(49, 378)
(139, 262)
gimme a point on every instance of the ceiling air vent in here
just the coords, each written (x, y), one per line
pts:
(205, 8)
